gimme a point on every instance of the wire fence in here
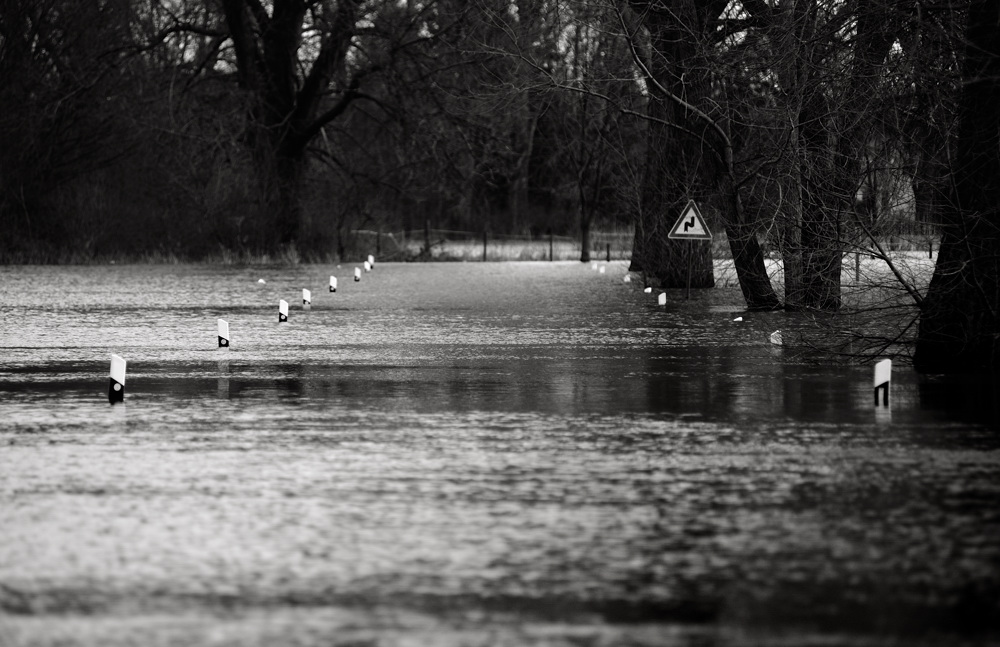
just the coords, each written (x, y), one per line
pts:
(456, 245)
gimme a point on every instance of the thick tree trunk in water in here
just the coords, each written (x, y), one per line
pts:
(689, 156)
(288, 102)
(747, 255)
(279, 177)
(667, 188)
(678, 167)
(793, 29)
(791, 235)
(933, 116)
(288, 215)
(833, 115)
(819, 239)
(584, 237)
(638, 246)
(960, 317)
(821, 260)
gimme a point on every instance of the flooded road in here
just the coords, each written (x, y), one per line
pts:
(471, 454)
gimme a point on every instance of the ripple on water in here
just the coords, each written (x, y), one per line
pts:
(463, 441)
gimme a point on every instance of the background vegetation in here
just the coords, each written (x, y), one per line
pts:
(807, 130)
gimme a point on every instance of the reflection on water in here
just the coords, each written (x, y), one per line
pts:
(488, 453)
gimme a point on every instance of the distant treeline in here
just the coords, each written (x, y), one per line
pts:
(237, 128)
(201, 129)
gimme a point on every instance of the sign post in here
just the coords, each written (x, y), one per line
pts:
(690, 226)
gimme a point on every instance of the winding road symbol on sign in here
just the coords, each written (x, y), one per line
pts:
(690, 225)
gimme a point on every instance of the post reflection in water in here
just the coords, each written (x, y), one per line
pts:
(223, 380)
(510, 454)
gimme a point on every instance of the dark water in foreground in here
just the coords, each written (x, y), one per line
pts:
(471, 454)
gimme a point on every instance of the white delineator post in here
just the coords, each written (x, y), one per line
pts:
(282, 311)
(223, 333)
(662, 299)
(368, 266)
(371, 260)
(116, 389)
(883, 376)
(357, 273)
(306, 299)
(333, 284)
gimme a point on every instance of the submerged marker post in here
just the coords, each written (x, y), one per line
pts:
(282, 311)
(116, 389)
(883, 376)
(223, 333)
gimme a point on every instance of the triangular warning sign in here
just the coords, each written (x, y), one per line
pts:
(690, 225)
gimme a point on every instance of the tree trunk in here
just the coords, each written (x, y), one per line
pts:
(285, 100)
(931, 128)
(287, 220)
(672, 178)
(747, 255)
(960, 317)
(678, 168)
(635, 263)
(584, 236)
(793, 31)
(833, 118)
(279, 176)
(819, 239)
(689, 156)
(790, 223)
(748, 258)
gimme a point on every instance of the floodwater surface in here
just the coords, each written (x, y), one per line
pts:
(472, 454)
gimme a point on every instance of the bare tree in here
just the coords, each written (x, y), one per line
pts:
(300, 68)
(690, 151)
(960, 317)
(62, 90)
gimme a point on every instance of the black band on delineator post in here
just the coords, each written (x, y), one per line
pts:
(116, 391)
(884, 387)
(116, 385)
